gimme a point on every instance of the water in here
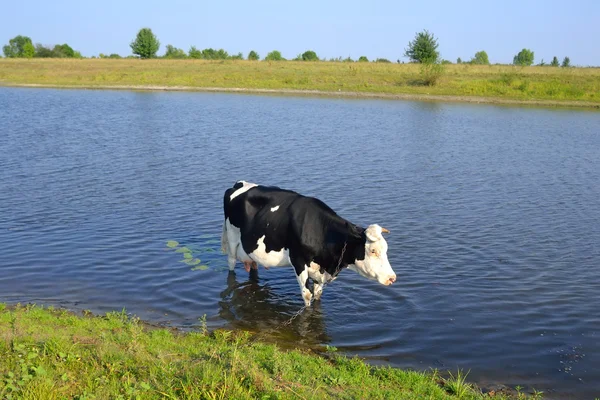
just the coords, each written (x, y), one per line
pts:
(494, 214)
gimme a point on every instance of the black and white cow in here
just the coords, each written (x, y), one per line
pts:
(276, 227)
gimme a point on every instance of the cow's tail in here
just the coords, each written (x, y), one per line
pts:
(224, 240)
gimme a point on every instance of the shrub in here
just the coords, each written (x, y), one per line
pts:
(174, 53)
(309, 55)
(382, 60)
(253, 56)
(275, 55)
(524, 58)
(363, 59)
(431, 72)
(481, 58)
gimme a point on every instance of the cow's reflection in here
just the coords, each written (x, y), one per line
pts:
(255, 306)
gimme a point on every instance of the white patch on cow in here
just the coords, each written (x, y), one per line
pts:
(273, 209)
(306, 294)
(232, 245)
(375, 265)
(246, 186)
(319, 279)
(272, 258)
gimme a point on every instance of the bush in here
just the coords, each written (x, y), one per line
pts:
(423, 48)
(363, 59)
(458, 60)
(275, 55)
(174, 53)
(309, 55)
(382, 60)
(524, 58)
(431, 72)
(145, 44)
(253, 56)
(481, 58)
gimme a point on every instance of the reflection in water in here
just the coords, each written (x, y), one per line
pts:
(254, 306)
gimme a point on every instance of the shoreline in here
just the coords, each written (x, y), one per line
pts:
(321, 93)
(69, 347)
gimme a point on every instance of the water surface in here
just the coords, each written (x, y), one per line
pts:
(494, 213)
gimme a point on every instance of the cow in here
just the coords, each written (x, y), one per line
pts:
(276, 227)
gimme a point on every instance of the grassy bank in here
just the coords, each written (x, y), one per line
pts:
(53, 354)
(545, 85)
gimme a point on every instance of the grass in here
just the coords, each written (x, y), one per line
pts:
(54, 354)
(574, 86)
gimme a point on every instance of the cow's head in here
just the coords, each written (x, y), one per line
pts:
(375, 264)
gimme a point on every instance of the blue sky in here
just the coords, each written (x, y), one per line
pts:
(374, 28)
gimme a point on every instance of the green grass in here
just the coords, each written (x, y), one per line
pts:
(543, 84)
(54, 354)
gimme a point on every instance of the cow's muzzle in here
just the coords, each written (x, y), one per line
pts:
(391, 280)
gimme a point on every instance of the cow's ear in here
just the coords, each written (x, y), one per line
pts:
(373, 233)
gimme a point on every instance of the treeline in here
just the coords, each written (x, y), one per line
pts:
(422, 49)
(23, 47)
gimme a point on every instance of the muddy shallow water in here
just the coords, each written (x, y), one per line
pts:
(494, 213)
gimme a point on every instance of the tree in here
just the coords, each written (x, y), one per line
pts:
(194, 52)
(566, 62)
(145, 44)
(275, 55)
(422, 48)
(238, 56)
(481, 58)
(16, 46)
(363, 59)
(542, 63)
(458, 60)
(174, 52)
(524, 58)
(253, 56)
(382, 60)
(309, 55)
(63, 51)
(554, 62)
(43, 51)
(28, 50)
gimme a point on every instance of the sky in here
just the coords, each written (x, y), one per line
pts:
(332, 28)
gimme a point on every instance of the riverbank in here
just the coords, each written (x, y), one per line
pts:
(546, 86)
(48, 353)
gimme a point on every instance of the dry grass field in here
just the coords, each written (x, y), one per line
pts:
(503, 82)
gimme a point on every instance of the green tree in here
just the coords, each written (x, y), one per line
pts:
(145, 44)
(238, 56)
(524, 58)
(554, 62)
(63, 51)
(566, 62)
(28, 50)
(16, 46)
(43, 51)
(481, 58)
(309, 55)
(275, 55)
(194, 52)
(422, 48)
(363, 59)
(253, 56)
(458, 60)
(174, 52)
(383, 60)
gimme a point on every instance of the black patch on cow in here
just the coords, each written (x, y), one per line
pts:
(306, 226)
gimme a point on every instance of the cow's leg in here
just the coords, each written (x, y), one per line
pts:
(247, 265)
(318, 290)
(302, 280)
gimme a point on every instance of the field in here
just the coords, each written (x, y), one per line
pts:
(458, 82)
(53, 354)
